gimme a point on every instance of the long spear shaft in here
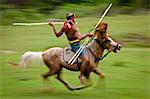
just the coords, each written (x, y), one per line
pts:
(76, 55)
(102, 17)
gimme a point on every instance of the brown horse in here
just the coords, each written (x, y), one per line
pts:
(53, 58)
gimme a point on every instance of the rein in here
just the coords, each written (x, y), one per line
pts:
(102, 57)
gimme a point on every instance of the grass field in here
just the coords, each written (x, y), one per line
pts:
(127, 72)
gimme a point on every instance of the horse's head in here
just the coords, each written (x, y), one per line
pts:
(104, 39)
(113, 46)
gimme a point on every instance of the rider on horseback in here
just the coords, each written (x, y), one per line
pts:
(74, 37)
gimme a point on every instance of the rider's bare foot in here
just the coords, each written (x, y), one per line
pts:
(81, 77)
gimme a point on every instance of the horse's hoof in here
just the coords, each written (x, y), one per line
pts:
(102, 76)
(79, 87)
(44, 77)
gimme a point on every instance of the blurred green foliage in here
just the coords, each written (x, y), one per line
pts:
(40, 10)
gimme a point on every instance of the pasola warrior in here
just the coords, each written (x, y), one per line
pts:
(74, 37)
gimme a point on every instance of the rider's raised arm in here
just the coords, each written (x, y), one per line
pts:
(79, 35)
(58, 34)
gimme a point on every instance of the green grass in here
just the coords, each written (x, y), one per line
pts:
(127, 72)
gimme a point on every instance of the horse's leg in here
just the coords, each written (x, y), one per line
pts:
(67, 84)
(52, 66)
(101, 84)
(87, 76)
(53, 69)
(99, 73)
(49, 73)
(46, 82)
(61, 80)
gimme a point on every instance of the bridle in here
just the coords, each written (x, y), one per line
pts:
(97, 59)
(103, 45)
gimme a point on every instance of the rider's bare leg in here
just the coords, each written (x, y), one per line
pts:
(83, 68)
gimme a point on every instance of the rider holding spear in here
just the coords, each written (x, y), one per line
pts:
(74, 37)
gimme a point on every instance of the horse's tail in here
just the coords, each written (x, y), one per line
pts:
(34, 58)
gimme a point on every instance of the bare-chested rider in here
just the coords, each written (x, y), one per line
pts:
(74, 37)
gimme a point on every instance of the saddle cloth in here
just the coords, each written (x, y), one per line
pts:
(69, 53)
